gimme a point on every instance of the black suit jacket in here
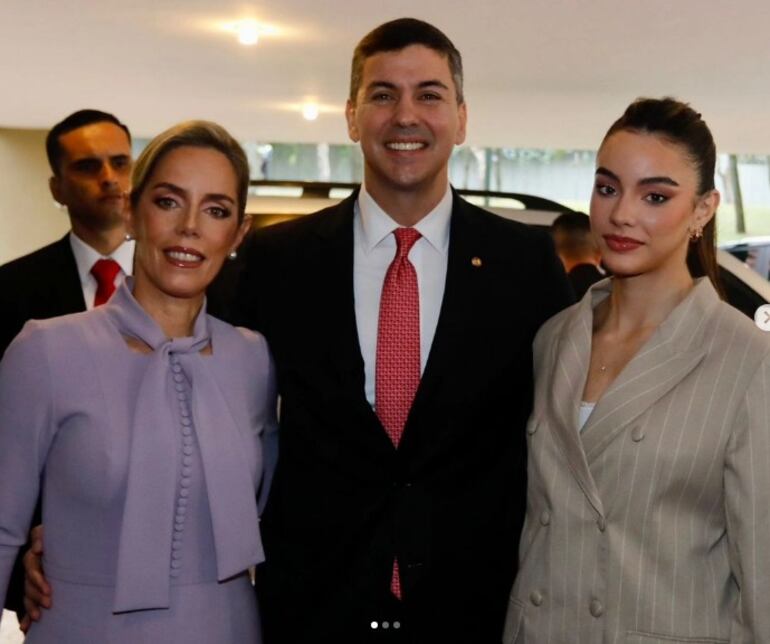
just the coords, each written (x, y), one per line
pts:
(41, 285)
(449, 502)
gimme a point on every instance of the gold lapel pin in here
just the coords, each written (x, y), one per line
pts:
(476, 262)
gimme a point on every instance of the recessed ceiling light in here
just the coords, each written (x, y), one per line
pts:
(248, 32)
(310, 111)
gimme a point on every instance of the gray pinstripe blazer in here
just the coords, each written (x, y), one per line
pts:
(653, 525)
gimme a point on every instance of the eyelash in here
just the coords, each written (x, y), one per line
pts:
(218, 212)
(222, 213)
(653, 198)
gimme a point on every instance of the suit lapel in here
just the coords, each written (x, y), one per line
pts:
(336, 232)
(568, 360)
(672, 352)
(63, 280)
(456, 306)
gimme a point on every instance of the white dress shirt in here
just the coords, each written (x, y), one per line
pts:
(86, 257)
(374, 247)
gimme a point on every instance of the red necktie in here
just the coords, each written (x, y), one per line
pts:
(397, 373)
(105, 271)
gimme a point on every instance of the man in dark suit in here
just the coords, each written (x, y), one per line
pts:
(577, 250)
(90, 157)
(407, 533)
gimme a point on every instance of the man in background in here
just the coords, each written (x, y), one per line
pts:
(90, 157)
(577, 250)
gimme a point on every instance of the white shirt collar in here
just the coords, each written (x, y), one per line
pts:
(376, 224)
(86, 257)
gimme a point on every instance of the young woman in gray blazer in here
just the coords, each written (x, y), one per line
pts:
(648, 518)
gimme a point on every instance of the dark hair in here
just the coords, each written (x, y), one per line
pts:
(75, 121)
(577, 240)
(678, 123)
(198, 134)
(399, 34)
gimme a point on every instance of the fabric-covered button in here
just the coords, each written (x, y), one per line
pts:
(176, 563)
(180, 394)
(187, 460)
(637, 434)
(176, 367)
(182, 502)
(601, 522)
(174, 573)
(181, 511)
(188, 450)
(596, 608)
(186, 471)
(179, 387)
(531, 429)
(536, 597)
(185, 482)
(178, 377)
(183, 493)
(545, 517)
(176, 544)
(187, 440)
(186, 421)
(186, 431)
(176, 555)
(184, 410)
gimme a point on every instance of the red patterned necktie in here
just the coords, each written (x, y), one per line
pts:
(105, 271)
(398, 349)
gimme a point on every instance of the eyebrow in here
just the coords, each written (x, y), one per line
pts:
(217, 196)
(421, 85)
(642, 182)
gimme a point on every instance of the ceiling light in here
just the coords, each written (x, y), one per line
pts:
(248, 32)
(310, 111)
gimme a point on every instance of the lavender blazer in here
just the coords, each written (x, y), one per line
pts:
(149, 466)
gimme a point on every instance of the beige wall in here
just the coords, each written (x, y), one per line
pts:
(29, 217)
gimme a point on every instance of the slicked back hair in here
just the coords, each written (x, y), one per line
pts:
(196, 134)
(678, 123)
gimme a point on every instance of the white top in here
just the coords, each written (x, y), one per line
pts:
(86, 257)
(374, 247)
(586, 408)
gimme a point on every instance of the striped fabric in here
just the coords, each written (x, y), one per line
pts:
(652, 526)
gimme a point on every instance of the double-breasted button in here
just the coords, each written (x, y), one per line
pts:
(536, 597)
(545, 517)
(637, 434)
(596, 608)
(601, 523)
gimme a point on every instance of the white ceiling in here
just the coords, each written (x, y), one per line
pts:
(547, 73)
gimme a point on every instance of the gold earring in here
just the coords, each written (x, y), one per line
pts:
(696, 233)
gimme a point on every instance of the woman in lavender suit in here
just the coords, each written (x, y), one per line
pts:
(147, 425)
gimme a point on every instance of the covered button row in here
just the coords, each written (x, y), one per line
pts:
(186, 471)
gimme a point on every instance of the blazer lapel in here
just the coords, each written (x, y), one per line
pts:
(568, 362)
(672, 352)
